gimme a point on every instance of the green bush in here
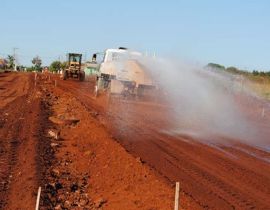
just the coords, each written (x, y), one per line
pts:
(215, 66)
(55, 66)
(30, 69)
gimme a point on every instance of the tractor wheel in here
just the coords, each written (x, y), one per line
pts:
(81, 76)
(65, 75)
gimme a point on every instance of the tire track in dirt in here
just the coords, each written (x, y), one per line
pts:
(211, 183)
(21, 160)
(223, 189)
(11, 125)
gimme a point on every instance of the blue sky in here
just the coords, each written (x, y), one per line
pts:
(233, 33)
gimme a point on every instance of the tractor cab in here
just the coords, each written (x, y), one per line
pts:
(74, 61)
(73, 69)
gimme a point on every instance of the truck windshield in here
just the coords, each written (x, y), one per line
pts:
(74, 58)
(119, 56)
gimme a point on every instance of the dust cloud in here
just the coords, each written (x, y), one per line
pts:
(203, 101)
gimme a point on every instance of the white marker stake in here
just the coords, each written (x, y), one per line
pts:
(263, 112)
(38, 198)
(96, 91)
(35, 79)
(176, 201)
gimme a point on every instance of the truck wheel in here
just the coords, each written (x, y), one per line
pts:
(65, 75)
(81, 76)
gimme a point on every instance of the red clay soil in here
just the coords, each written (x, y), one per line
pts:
(105, 173)
(18, 119)
(50, 139)
(108, 153)
(83, 167)
(229, 176)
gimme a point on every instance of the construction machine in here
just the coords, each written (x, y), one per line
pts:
(120, 73)
(73, 69)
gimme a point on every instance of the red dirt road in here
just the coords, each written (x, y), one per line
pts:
(214, 176)
(19, 117)
(87, 167)
(82, 168)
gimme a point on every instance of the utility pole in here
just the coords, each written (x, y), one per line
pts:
(15, 60)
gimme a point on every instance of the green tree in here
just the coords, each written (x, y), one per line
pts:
(215, 66)
(55, 66)
(262, 73)
(232, 69)
(11, 61)
(37, 63)
(64, 65)
(235, 70)
(255, 73)
(30, 69)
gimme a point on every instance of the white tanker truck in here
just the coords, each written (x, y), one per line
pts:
(120, 72)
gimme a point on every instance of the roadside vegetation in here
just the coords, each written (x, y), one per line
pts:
(8, 63)
(259, 80)
(57, 66)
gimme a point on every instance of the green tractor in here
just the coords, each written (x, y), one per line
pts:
(73, 69)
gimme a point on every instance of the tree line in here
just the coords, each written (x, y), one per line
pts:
(9, 63)
(235, 70)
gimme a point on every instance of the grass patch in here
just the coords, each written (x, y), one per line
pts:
(262, 89)
(259, 80)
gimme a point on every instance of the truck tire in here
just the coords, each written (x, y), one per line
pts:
(65, 75)
(82, 76)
